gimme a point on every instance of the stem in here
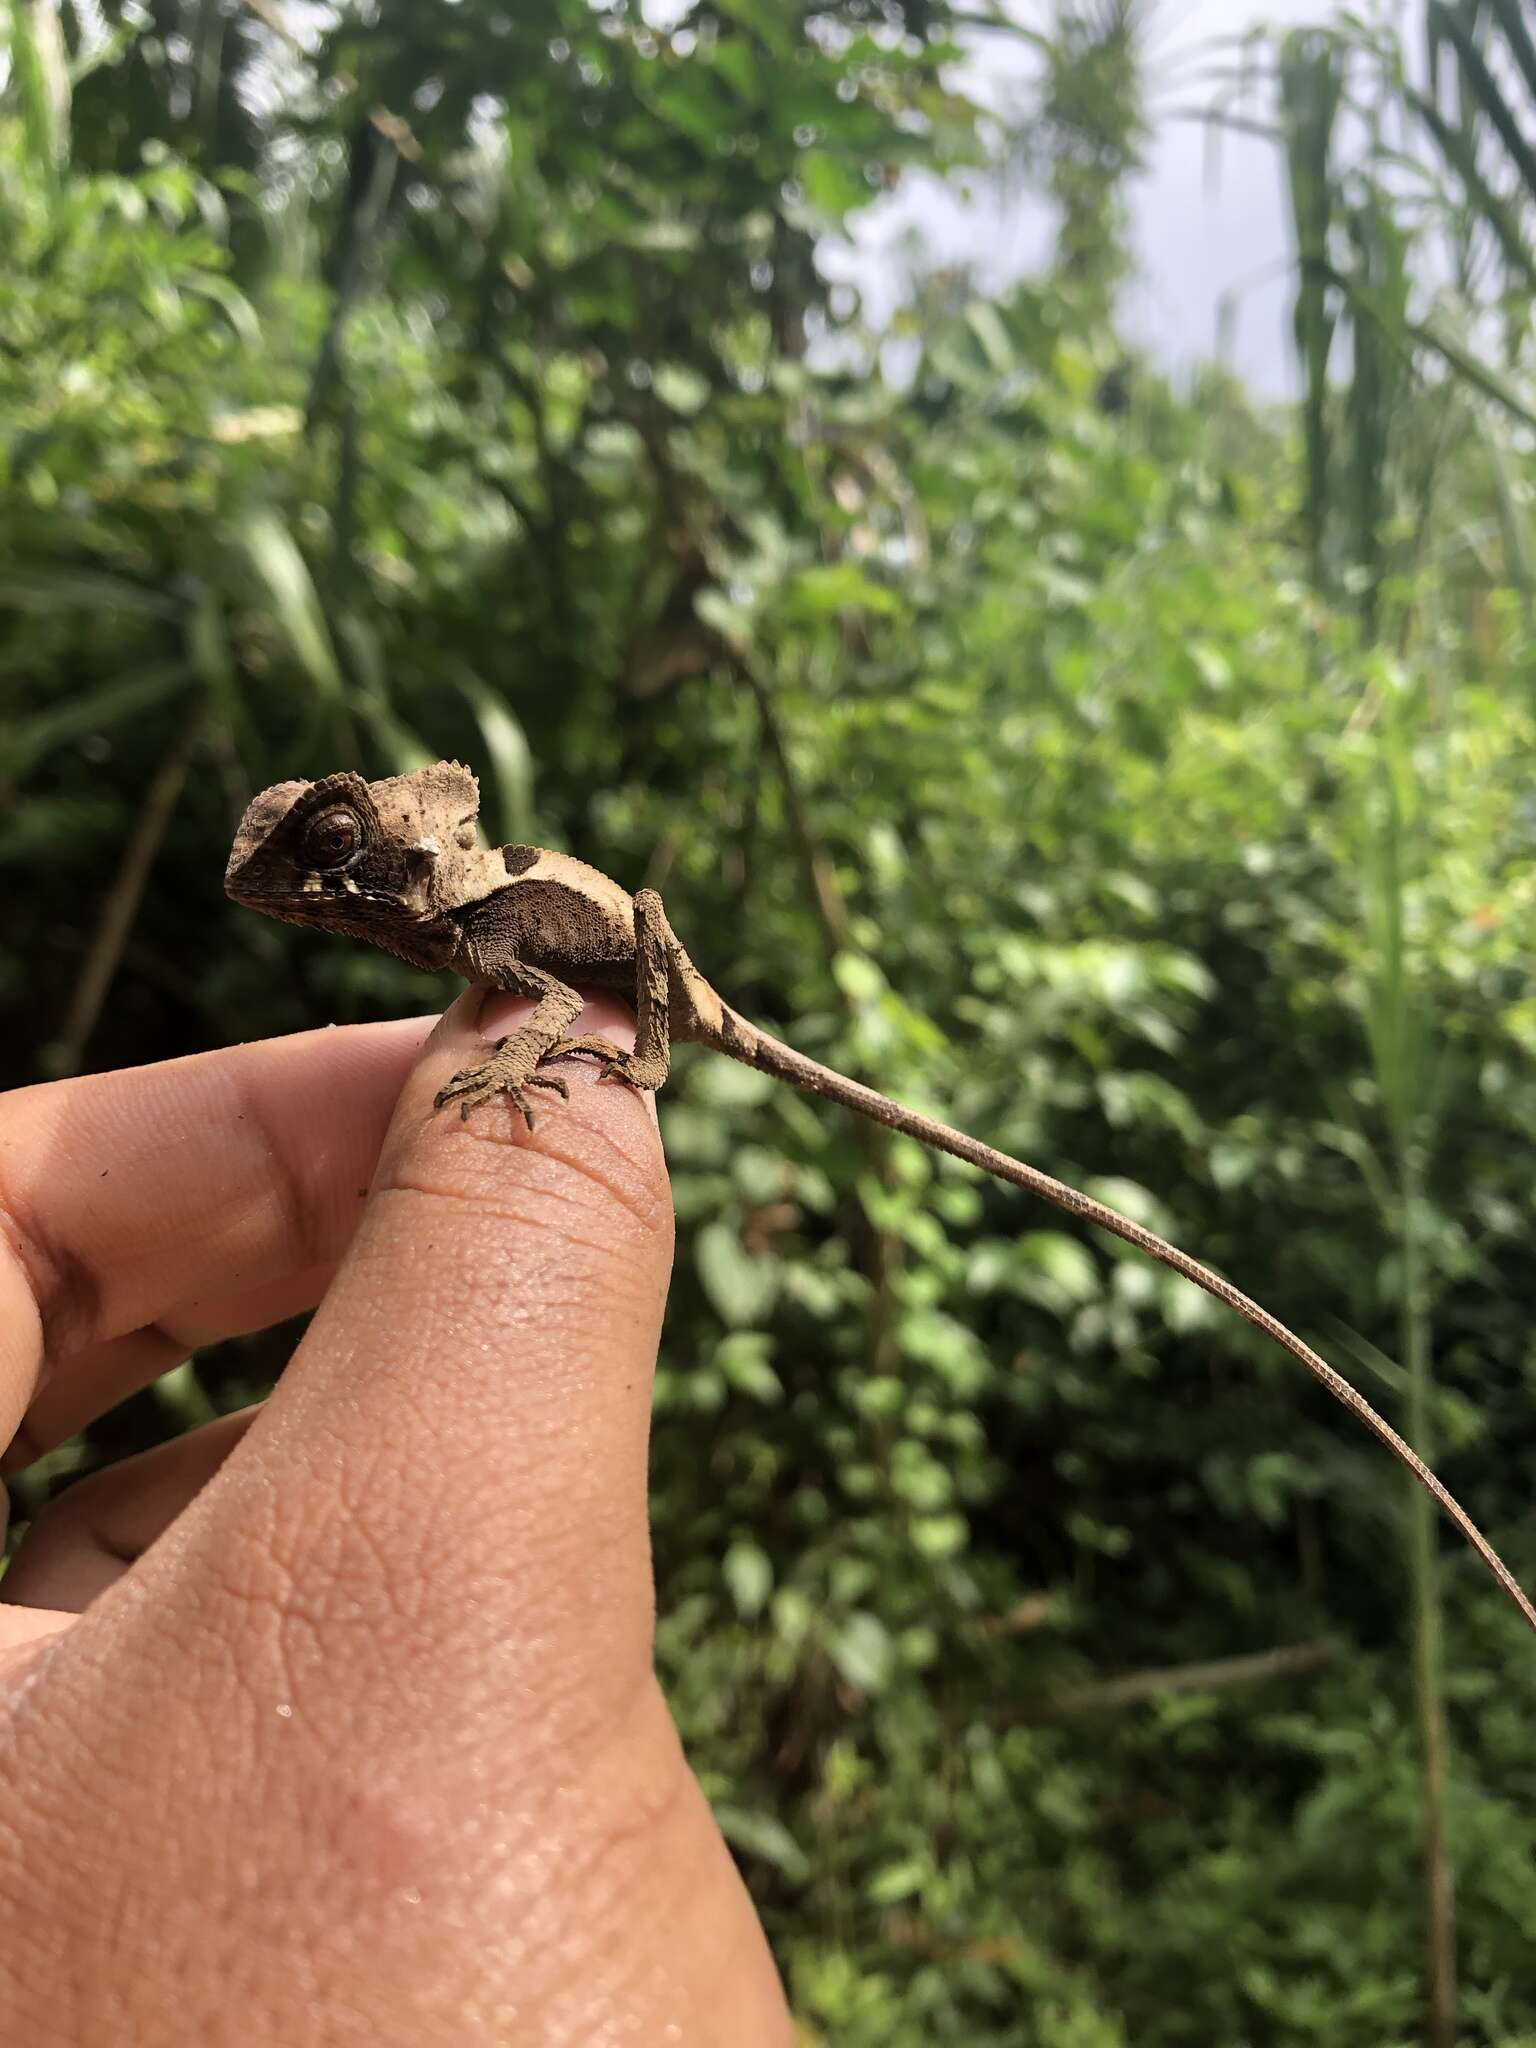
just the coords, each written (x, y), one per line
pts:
(122, 903)
(820, 874)
(1428, 1693)
(832, 913)
(1294, 1660)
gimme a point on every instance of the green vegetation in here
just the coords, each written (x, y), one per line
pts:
(1139, 779)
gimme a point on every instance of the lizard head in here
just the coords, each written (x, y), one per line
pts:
(370, 858)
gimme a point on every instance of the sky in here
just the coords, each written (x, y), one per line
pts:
(1202, 237)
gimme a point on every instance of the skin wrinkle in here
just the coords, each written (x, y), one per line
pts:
(570, 1856)
(620, 1851)
(639, 1209)
(306, 1197)
(41, 1271)
(517, 1288)
(257, 1097)
(319, 1559)
(649, 1209)
(359, 1479)
(25, 1450)
(545, 1614)
(571, 1533)
(520, 1497)
(499, 1213)
(581, 1199)
(68, 1295)
(54, 1380)
(142, 1494)
(82, 1384)
(559, 1537)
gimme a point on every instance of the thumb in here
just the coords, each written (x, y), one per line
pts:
(456, 1455)
(375, 1718)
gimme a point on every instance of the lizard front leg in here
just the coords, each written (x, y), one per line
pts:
(512, 1067)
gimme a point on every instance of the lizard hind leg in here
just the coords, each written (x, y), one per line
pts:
(657, 953)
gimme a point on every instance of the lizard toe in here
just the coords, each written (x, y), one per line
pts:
(603, 1050)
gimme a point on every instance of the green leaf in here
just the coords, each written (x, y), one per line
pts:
(741, 1288)
(286, 582)
(760, 1835)
(833, 186)
(838, 587)
(862, 1651)
(231, 302)
(680, 387)
(940, 1537)
(1470, 369)
(1458, 150)
(1068, 1266)
(1131, 1199)
(1513, 18)
(897, 1881)
(506, 745)
(986, 323)
(402, 748)
(213, 660)
(858, 977)
(743, 1362)
(41, 74)
(944, 1343)
(748, 1576)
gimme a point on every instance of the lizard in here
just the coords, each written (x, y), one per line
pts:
(400, 863)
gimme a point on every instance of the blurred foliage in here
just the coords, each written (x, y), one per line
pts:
(465, 381)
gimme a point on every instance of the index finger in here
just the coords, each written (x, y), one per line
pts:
(133, 1197)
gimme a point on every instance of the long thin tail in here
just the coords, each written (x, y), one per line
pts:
(745, 1042)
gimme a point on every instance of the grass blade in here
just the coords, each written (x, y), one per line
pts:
(30, 739)
(511, 757)
(1488, 94)
(1311, 90)
(1512, 20)
(1458, 152)
(287, 584)
(91, 590)
(41, 73)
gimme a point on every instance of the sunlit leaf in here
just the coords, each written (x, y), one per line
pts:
(288, 587)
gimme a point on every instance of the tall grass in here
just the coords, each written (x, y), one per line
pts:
(1385, 364)
(1404, 1062)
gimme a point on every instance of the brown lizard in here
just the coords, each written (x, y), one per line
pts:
(400, 863)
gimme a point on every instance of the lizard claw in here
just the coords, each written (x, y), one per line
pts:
(478, 1084)
(603, 1050)
(520, 1101)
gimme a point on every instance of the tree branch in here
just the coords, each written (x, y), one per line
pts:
(1294, 1660)
(121, 907)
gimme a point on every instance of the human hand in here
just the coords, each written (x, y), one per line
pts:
(336, 1723)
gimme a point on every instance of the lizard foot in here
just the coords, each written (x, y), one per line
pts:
(498, 1076)
(623, 1066)
(603, 1050)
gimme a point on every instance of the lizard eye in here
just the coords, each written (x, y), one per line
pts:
(333, 838)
